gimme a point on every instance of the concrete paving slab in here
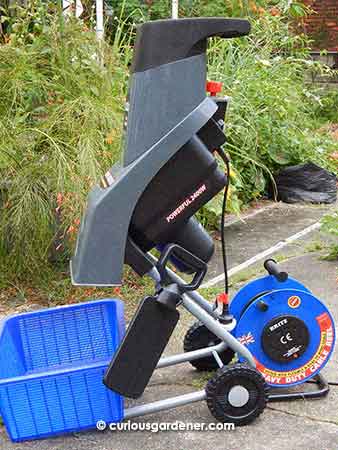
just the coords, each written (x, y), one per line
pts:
(246, 239)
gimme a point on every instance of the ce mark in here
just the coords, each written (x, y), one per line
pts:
(286, 338)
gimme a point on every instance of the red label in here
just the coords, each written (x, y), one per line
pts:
(294, 301)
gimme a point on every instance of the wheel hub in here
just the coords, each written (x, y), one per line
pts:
(238, 396)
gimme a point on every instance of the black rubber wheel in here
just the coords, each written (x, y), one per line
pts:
(236, 394)
(198, 336)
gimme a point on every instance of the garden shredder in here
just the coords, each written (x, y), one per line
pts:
(275, 333)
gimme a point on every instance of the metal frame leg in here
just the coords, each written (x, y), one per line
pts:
(190, 356)
(203, 311)
(322, 390)
(185, 399)
(218, 329)
(162, 405)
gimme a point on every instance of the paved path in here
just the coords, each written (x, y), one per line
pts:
(247, 238)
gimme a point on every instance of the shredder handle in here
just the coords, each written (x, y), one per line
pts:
(195, 262)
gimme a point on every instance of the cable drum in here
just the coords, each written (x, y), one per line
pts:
(291, 339)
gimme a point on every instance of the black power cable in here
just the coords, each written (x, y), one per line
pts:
(225, 312)
(224, 206)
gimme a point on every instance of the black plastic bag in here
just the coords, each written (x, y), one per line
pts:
(306, 183)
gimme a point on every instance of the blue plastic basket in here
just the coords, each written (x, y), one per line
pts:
(51, 368)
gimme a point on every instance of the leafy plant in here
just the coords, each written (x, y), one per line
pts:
(271, 121)
(326, 109)
(330, 225)
(60, 121)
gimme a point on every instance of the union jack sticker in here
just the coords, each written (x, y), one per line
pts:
(246, 339)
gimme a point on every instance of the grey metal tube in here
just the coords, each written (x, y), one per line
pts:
(219, 330)
(190, 356)
(218, 359)
(161, 405)
(196, 305)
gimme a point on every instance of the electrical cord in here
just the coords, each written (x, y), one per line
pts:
(224, 205)
(225, 159)
(330, 383)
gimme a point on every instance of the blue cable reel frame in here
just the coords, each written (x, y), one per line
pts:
(256, 288)
(300, 304)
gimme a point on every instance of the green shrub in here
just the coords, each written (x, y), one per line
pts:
(60, 121)
(330, 225)
(271, 121)
(327, 106)
(139, 10)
